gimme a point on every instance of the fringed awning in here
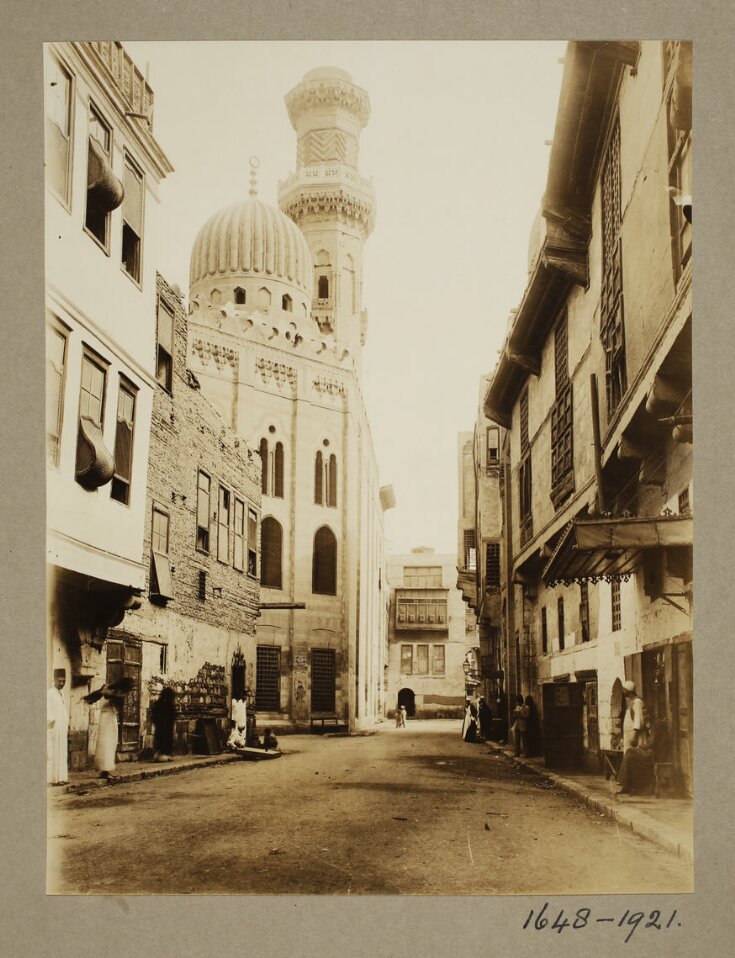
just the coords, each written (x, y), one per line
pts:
(102, 184)
(594, 549)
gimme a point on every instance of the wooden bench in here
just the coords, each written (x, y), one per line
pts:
(322, 719)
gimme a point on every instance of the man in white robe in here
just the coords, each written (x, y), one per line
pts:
(57, 713)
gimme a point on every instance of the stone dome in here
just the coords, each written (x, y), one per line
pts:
(252, 239)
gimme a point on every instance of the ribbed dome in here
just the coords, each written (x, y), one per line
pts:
(252, 238)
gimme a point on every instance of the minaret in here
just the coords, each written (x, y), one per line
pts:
(328, 199)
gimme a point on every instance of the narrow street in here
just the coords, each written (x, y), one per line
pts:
(412, 811)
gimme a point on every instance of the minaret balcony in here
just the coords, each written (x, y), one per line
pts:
(331, 174)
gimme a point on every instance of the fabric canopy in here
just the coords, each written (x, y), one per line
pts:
(592, 549)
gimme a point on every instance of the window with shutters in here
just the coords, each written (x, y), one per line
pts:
(560, 621)
(324, 562)
(165, 347)
(678, 86)
(204, 484)
(438, 661)
(271, 549)
(525, 488)
(97, 213)
(493, 447)
(407, 659)
(470, 550)
(223, 525)
(615, 604)
(58, 107)
(562, 456)
(584, 610)
(56, 345)
(161, 585)
(132, 219)
(422, 659)
(252, 542)
(91, 405)
(238, 549)
(492, 566)
(422, 576)
(124, 442)
(612, 330)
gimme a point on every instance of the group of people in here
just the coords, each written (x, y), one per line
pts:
(108, 698)
(525, 727)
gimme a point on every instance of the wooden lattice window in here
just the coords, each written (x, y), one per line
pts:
(584, 610)
(612, 332)
(562, 418)
(268, 678)
(615, 603)
(492, 565)
(323, 680)
(470, 550)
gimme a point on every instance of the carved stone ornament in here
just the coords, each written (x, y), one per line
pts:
(332, 203)
(332, 387)
(279, 372)
(315, 94)
(221, 355)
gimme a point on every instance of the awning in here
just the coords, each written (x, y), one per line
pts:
(593, 549)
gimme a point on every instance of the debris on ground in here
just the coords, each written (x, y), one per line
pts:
(487, 827)
(400, 818)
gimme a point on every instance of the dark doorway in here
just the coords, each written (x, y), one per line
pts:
(268, 679)
(407, 699)
(562, 725)
(238, 678)
(322, 680)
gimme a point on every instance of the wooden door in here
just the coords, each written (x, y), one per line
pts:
(124, 659)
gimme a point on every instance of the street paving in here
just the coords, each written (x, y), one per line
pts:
(411, 811)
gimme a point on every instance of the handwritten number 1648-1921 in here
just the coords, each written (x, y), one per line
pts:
(631, 921)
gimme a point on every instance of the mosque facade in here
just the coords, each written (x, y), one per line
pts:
(275, 332)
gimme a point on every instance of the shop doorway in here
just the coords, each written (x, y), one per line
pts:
(591, 757)
(238, 677)
(407, 698)
(562, 724)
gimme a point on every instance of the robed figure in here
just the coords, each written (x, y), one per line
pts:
(57, 714)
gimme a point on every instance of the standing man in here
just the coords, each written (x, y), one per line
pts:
(57, 714)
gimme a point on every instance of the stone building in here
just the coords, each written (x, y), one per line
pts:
(195, 628)
(428, 636)
(103, 167)
(480, 532)
(276, 326)
(594, 388)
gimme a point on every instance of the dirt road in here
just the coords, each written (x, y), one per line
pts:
(412, 811)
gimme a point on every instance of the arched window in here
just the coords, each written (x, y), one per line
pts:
(319, 479)
(323, 287)
(271, 548)
(263, 450)
(287, 303)
(239, 296)
(324, 563)
(278, 471)
(332, 481)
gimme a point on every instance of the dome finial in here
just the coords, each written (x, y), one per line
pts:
(254, 164)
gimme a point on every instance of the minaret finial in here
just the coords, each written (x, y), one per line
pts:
(254, 164)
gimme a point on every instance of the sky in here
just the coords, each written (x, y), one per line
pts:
(457, 147)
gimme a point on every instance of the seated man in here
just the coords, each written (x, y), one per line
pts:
(269, 740)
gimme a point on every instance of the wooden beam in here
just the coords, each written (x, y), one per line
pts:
(531, 363)
(627, 449)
